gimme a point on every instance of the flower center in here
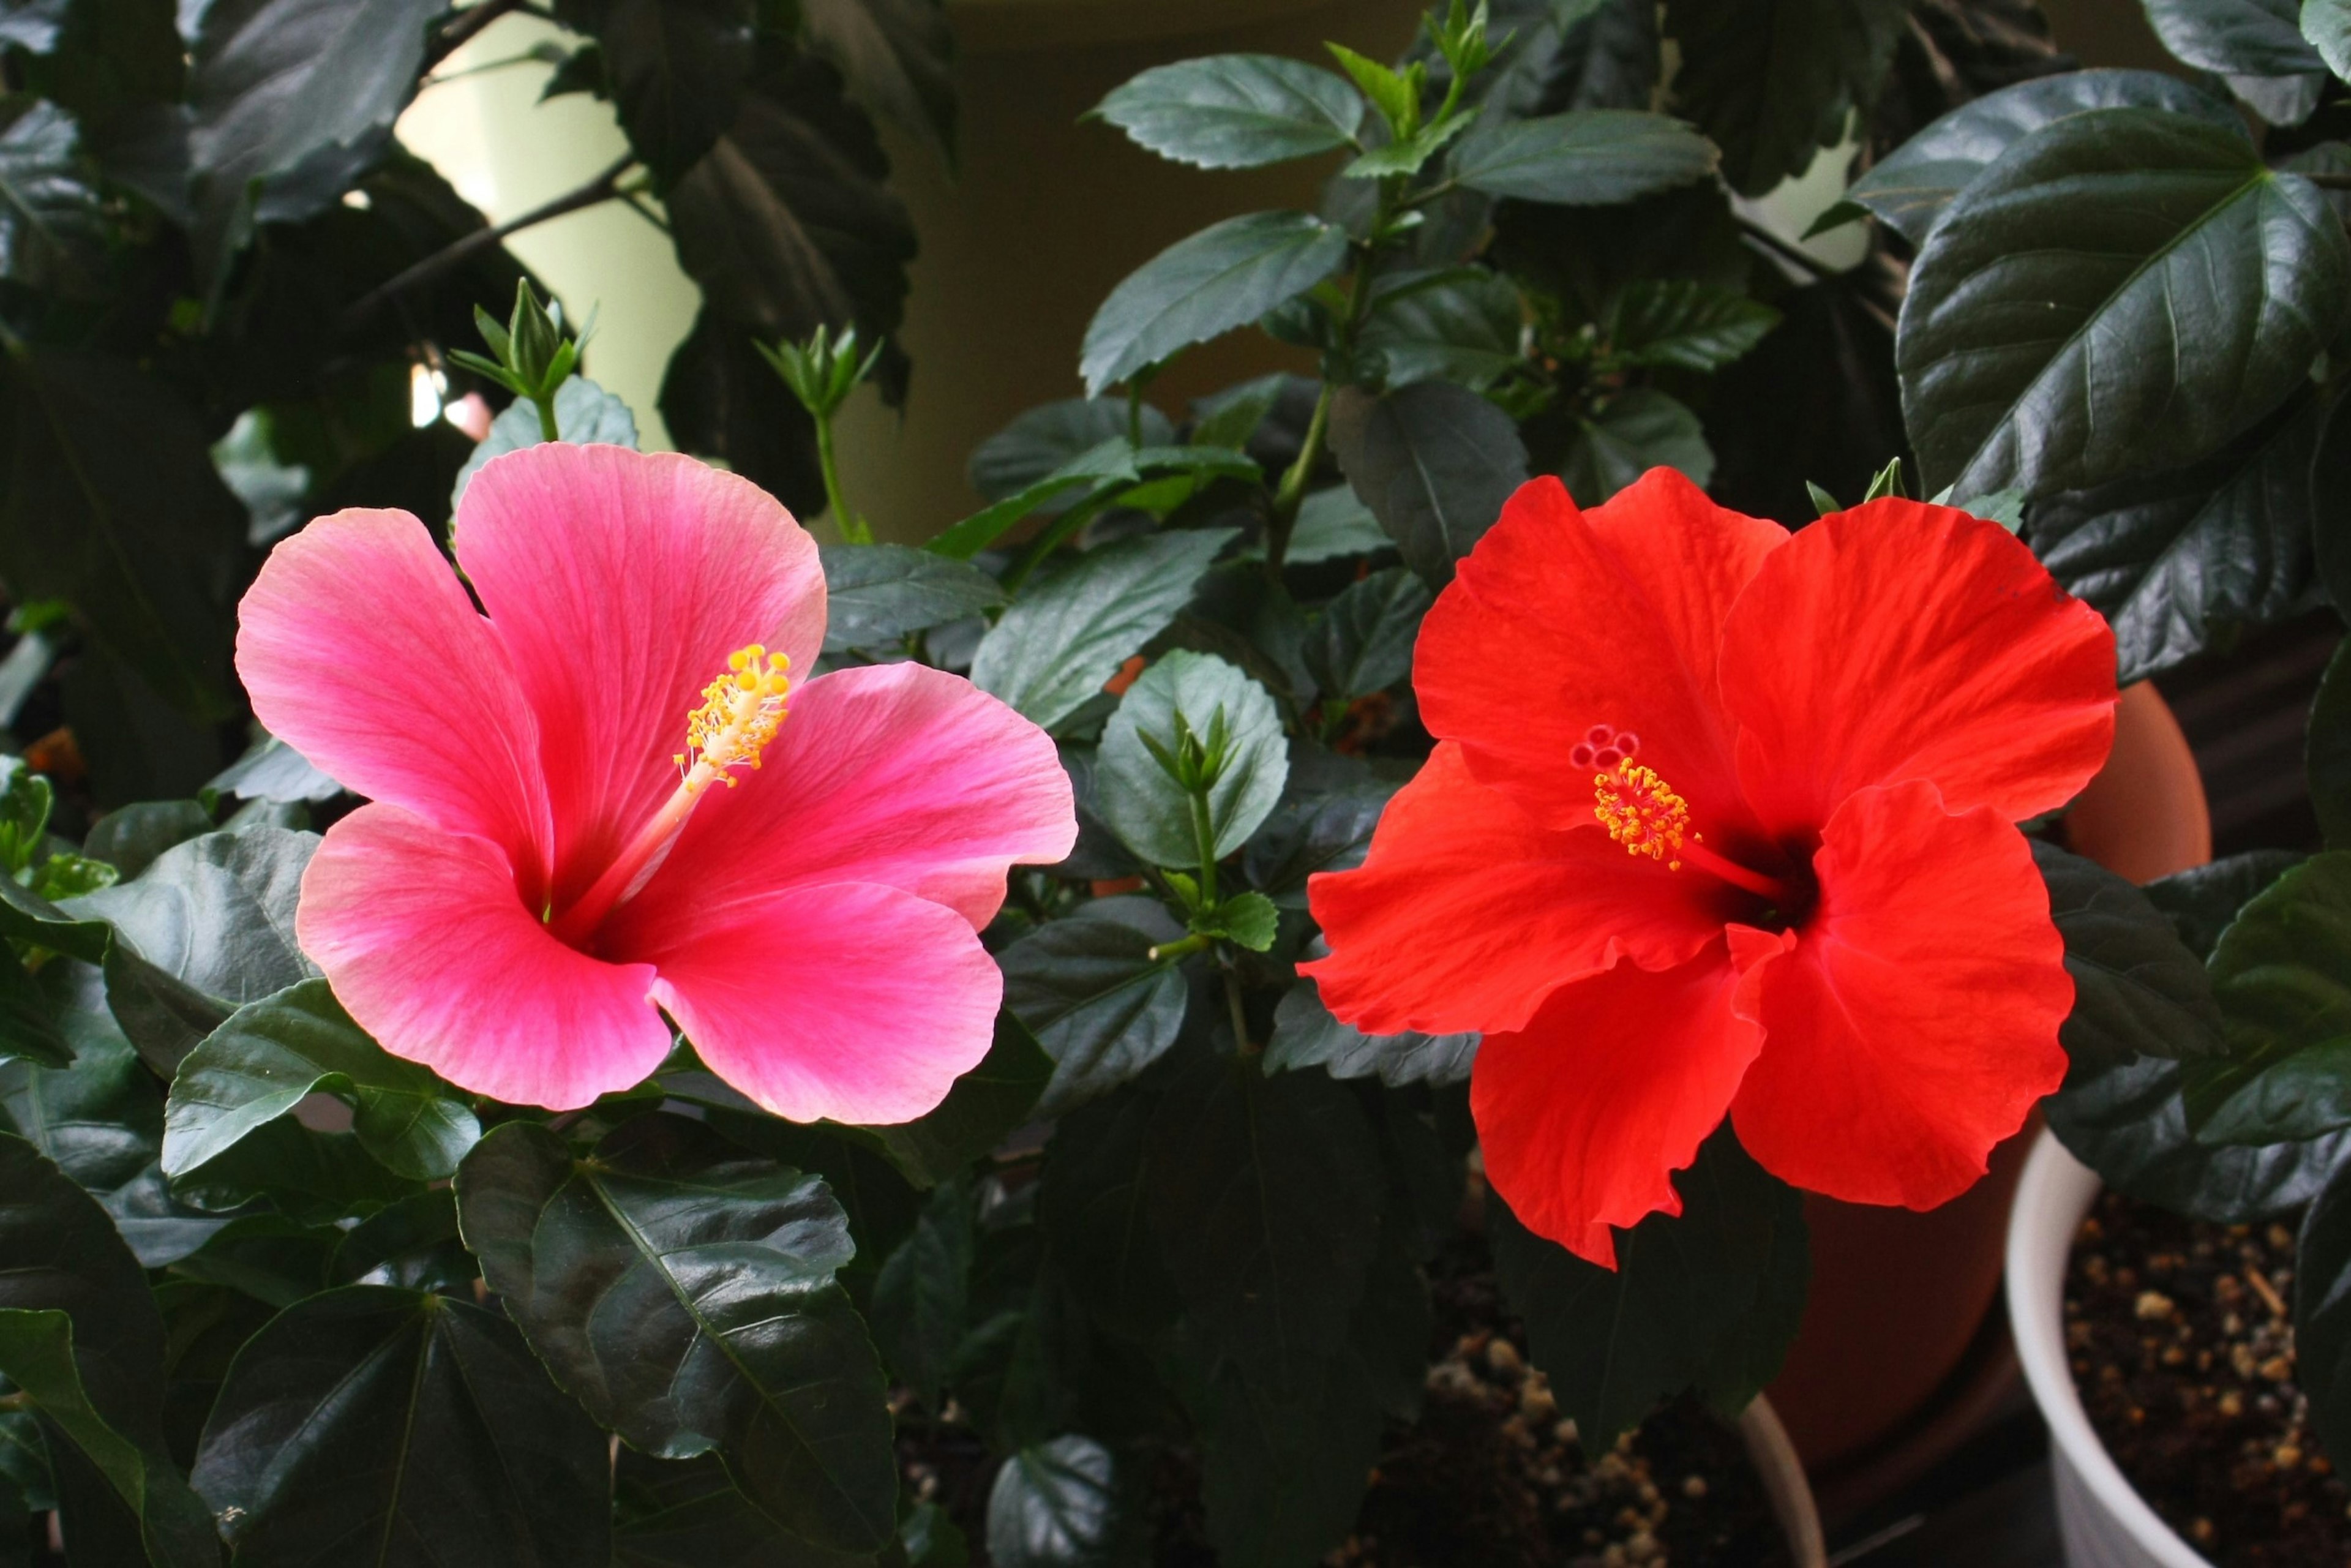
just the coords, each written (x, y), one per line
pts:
(1641, 812)
(741, 710)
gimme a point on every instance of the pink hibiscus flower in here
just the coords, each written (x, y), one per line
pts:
(613, 794)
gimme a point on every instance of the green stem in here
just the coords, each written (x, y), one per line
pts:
(547, 429)
(1204, 834)
(1182, 947)
(853, 529)
(1240, 1014)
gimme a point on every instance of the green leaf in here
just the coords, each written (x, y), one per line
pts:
(2282, 973)
(130, 840)
(1682, 324)
(33, 920)
(684, 1294)
(876, 596)
(1459, 325)
(2137, 988)
(1407, 156)
(142, 550)
(1910, 186)
(1150, 812)
(2128, 1121)
(1585, 158)
(1391, 92)
(1433, 462)
(2201, 901)
(584, 413)
(1057, 1505)
(677, 71)
(1227, 276)
(1717, 1288)
(273, 1054)
(414, 1420)
(922, 1298)
(1363, 642)
(274, 771)
(28, 1029)
(2329, 502)
(1231, 418)
(1334, 524)
(898, 58)
(81, 1337)
(1093, 1200)
(1638, 430)
(2256, 45)
(2123, 290)
(1080, 619)
(685, 1514)
(1102, 1007)
(985, 1105)
(2183, 559)
(2327, 25)
(1265, 1197)
(1315, 832)
(1248, 920)
(1774, 81)
(290, 101)
(1236, 111)
(1045, 438)
(2322, 1311)
(1306, 1035)
(53, 225)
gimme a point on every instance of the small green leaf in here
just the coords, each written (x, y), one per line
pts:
(1045, 438)
(1057, 1505)
(876, 596)
(1433, 462)
(1637, 429)
(1681, 323)
(1823, 502)
(1097, 1001)
(1391, 92)
(1586, 157)
(1236, 111)
(1226, 276)
(1150, 812)
(2282, 973)
(1363, 642)
(1461, 324)
(1247, 920)
(2257, 46)
(1334, 524)
(1306, 1035)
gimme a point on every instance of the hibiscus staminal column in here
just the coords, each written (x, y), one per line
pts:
(741, 711)
(1641, 812)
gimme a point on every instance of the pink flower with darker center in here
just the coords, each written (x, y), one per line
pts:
(613, 795)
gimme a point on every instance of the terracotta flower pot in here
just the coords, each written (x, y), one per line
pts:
(1898, 1298)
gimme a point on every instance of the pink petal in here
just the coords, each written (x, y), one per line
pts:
(895, 774)
(432, 951)
(361, 651)
(621, 580)
(851, 1003)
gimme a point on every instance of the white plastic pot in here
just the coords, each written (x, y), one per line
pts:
(2104, 1522)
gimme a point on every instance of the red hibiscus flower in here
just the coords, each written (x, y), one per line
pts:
(1720, 822)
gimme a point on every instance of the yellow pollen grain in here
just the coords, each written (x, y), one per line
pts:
(1641, 812)
(740, 712)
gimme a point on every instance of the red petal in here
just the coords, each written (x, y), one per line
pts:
(361, 651)
(1903, 641)
(1469, 913)
(621, 581)
(1559, 620)
(1586, 1113)
(1915, 1023)
(433, 951)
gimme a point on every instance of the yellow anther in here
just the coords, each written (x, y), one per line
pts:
(1641, 811)
(740, 712)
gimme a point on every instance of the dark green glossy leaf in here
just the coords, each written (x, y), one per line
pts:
(81, 1337)
(585, 413)
(1102, 1007)
(685, 1514)
(921, 1298)
(1910, 186)
(2327, 25)
(1144, 805)
(1680, 323)
(147, 552)
(2123, 290)
(28, 1028)
(1772, 82)
(1073, 626)
(1433, 462)
(1306, 1035)
(290, 101)
(2322, 1311)
(273, 1054)
(677, 70)
(1459, 325)
(414, 1423)
(52, 216)
(2283, 975)
(2185, 558)
(685, 1295)
(274, 771)
(2128, 1121)
(1236, 111)
(1363, 642)
(1227, 276)
(876, 596)
(130, 840)
(897, 58)
(1312, 833)
(1046, 437)
(1637, 429)
(985, 1105)
(1585, 158)
(1057, 1505)
(313, 1176)
(2201, 901)
(1093, 1201)
(2256, 45)
(2137, 988)
(2330, 502)
(1334, 524)
(1717, 1289)
(1265, 1197)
